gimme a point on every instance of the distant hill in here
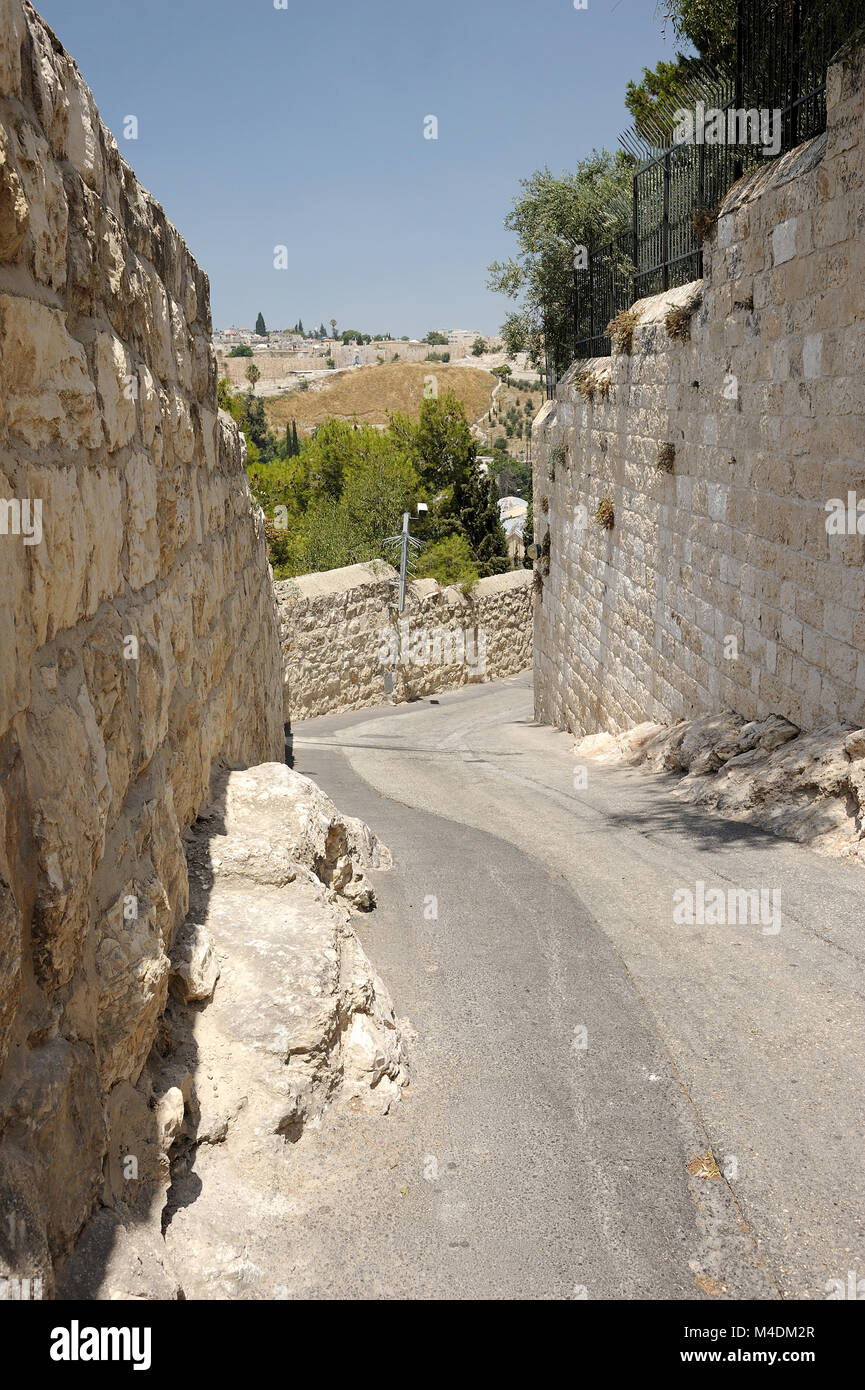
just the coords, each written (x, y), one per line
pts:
(370, 394)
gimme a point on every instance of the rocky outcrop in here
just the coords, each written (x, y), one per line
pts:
(275, 1017)
(808, 787)
(138, 630)
(346, 646)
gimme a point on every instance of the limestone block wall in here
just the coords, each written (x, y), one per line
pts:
(719, 586)
(344, 646)
(138, 628)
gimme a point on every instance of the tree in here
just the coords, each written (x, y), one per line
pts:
(260, 328)
(243, 351)
(553, 217)
(333, 328)
(252, 374)
(435, 339)
(709, 24)
(295, 446)
(449, 561)
(479, 347)
(442, 443)
(476, 507)
(654, 100)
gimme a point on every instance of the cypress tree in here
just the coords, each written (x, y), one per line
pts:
(476, 506)
(296, 444)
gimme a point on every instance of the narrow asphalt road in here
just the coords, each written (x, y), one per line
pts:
(577, 1049)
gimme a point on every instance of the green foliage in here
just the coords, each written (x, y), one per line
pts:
(333, 500)
(450, 562)
(252, 374)
(479, 347)
(551, 218)
(652, 100)
(441, 443)
(260, 327)
(437, 357)
(709, 24)
(512, 477)
(476, 509)
(242, 351)
(436, 339)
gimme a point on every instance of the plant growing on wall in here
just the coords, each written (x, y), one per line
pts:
(666, 458)
(558, 459)
(585, 385)
(678, 320)
(606, 515)
(621, 330)
(703, 221)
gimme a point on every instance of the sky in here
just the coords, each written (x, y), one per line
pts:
(303, 127)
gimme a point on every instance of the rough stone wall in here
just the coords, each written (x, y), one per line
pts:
(139, 633)
(764, 407)
(344, 646)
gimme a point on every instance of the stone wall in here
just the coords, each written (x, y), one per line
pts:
(137, 625)
(718, 586)
(344, 646)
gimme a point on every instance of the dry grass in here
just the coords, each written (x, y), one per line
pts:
(666, 458)
(606, 514)
(586, 385)
(370, 394)
(704, 1166)
(678, 321)
(703, 222)
(621, 330)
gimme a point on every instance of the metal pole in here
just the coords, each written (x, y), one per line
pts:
(403, 561)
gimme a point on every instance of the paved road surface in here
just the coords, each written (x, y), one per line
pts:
(524, 1164)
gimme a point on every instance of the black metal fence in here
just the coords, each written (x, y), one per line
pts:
(773, 99)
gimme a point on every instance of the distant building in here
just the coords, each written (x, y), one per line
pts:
(513, 512)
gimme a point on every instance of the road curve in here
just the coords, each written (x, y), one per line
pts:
(577, 1049)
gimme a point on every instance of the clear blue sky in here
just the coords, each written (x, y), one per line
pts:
(304, 127)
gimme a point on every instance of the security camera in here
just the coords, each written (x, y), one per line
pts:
(422, 508)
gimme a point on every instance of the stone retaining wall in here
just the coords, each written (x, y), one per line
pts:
(137, 626)
(345, 647)
(719, 586)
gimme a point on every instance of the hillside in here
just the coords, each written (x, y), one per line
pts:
(371, 394)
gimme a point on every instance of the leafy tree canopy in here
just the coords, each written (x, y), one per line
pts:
(552, 218)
